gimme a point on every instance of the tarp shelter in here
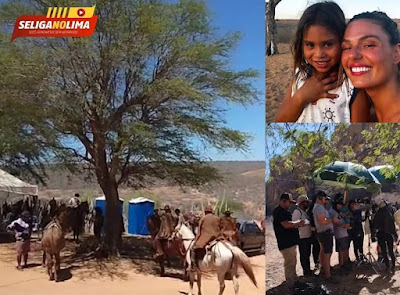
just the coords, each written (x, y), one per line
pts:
(101, 203)
(12, 185)
(138, 212)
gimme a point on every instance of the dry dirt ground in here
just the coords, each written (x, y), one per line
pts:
(135, 273)
(279, 71)
(361, 280)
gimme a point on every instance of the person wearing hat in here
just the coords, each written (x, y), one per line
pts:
(300, 213)
(168, 223)
(287, 235)
(22, 232)
(383, 223)
(341, 234)
(228, 228)
(324, 227)
(209, 230)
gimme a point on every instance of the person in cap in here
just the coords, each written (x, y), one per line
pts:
(383, 223)
(287, 235)
(167, 226)
(300, 213)
(22, 232)
(228, 228)
(324, 226)
(209, 230)
(341, 234)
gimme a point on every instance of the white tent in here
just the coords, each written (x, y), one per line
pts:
(11, 184)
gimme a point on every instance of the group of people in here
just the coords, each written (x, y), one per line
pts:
(22, 226)
(313, 226)
(343, 72)
(210, 227)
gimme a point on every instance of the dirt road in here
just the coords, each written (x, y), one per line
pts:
(126, 276)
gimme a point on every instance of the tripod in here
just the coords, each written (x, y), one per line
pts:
(369, 257)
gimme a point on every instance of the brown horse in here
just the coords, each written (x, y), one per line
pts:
(53, 242)
(78, 219)
(171, 248)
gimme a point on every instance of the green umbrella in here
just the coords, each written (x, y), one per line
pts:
(346, 175)
(384, 173)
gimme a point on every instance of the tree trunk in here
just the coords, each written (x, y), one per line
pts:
(113, 218)
(271, 28)
(310, 187)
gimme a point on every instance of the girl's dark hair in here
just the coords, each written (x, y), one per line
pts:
(327, 14)
(381, 19)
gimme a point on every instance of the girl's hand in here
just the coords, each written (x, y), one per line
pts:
(315, 88)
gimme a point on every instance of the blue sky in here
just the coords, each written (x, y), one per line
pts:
(292, 9)
(248, 18)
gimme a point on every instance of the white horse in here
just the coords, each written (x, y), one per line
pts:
(223, 258)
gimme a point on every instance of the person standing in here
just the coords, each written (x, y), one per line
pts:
(300, 213)
(314, 240)
(287, 235)
(340, 231)
(324, 226)
(74, 201)
(386, 233)
(22, 232)
(356, 232)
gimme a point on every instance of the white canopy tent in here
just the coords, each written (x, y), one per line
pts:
(14, 185)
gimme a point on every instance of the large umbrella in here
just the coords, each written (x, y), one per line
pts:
(385, 173)
(346, 175)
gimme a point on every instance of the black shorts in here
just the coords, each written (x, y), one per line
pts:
(342, 244)
(326, 240)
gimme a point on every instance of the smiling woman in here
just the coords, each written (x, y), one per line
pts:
(371, 57)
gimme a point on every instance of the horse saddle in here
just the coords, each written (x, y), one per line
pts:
(200, 253)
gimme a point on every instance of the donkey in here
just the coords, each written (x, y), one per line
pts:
(53, 242)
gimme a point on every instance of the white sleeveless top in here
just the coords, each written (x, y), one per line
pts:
(326, 110)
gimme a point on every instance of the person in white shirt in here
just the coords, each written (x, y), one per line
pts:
(74, 201)
(300, 213)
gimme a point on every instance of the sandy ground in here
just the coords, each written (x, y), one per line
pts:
(279, 70)
(361, 280)
(136, 274)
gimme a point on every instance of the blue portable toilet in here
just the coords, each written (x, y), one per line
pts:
(138, 212)
(101, 203)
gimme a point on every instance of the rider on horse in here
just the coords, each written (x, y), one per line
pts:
(209, 229)
(74, 201)
(167, 226)
(228, 228)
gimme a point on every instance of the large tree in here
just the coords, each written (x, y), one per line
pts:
(271, 28)
(24, 136)
(144, 97)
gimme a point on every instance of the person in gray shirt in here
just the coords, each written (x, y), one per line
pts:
(324, 226)
(342, 238)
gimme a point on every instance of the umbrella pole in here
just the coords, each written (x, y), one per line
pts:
(346, 197)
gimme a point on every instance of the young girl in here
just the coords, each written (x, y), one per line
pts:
(319, 91)
(371, 59)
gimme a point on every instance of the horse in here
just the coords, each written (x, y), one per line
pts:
(223, 257)
(78, 219)
(171, 247)
(53, 242)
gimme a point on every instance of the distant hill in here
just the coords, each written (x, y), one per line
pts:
(244, 183)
